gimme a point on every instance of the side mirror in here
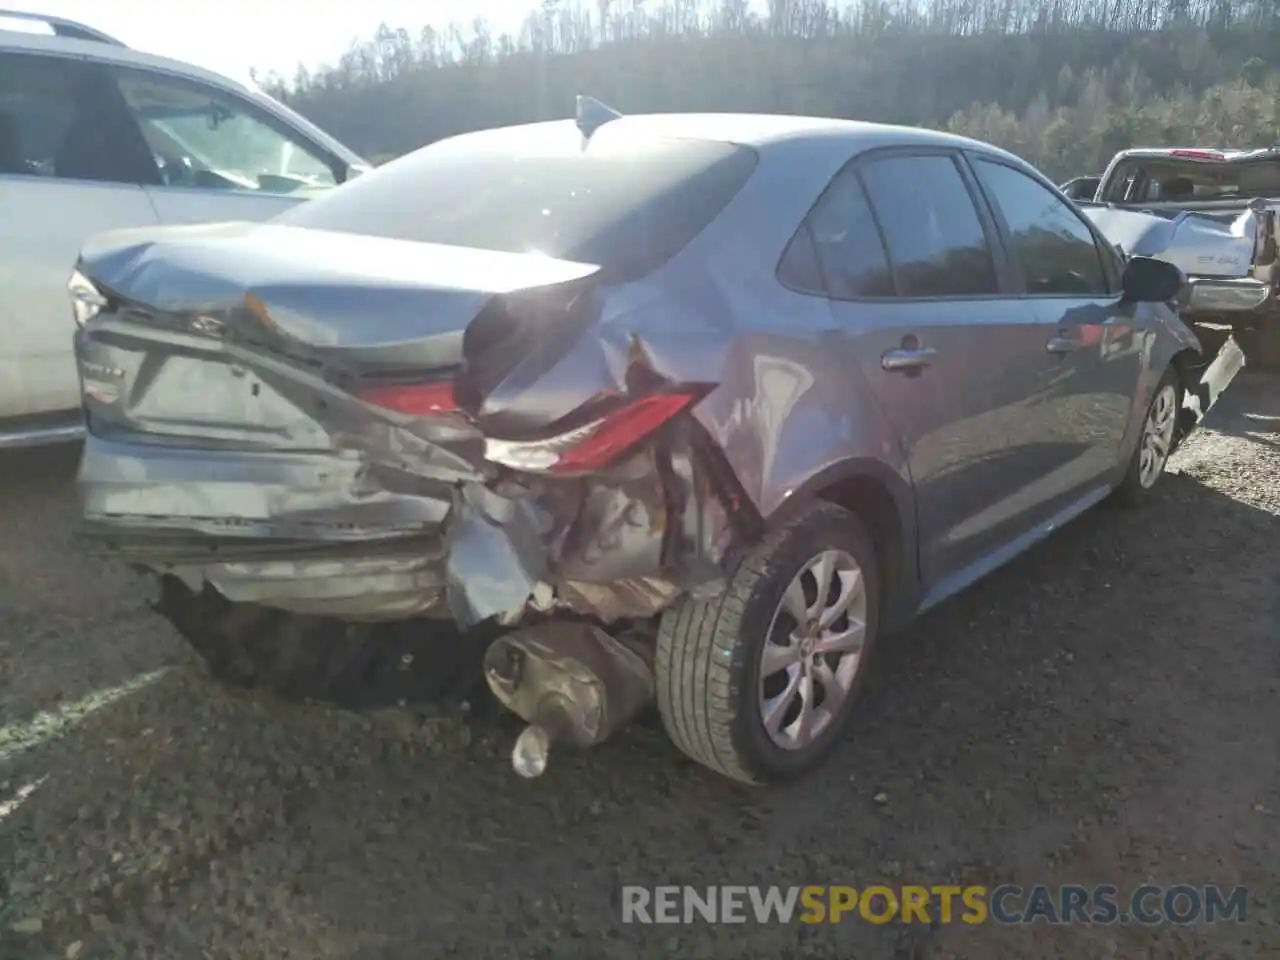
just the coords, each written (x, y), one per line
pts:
(354, 170)
(1148, 280)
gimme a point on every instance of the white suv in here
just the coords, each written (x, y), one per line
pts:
(95, 136)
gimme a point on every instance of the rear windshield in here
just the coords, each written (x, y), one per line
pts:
(1163, 181)
(626, 203)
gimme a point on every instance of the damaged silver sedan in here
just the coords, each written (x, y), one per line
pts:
(681, 407)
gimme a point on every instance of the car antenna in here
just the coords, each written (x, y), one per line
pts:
(591, 115)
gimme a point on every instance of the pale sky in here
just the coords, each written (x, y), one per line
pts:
(231, 36)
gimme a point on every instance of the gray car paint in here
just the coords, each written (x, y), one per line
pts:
(799, 405)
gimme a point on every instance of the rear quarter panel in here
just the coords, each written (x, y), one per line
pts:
(791, 411)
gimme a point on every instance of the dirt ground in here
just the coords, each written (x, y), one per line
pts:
(1103, 711)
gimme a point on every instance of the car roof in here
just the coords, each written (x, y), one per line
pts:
(107, 52)
(817, 136)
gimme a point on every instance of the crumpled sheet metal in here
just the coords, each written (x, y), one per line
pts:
(494, 555)
(357, 589)
(629, 540)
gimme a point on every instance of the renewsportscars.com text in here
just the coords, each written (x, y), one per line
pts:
(1006, 904)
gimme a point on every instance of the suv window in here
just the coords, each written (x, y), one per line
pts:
(202, 137)
(1051, 243)
(936, 242)
(625, 202)
(845, 243)
(59, 119)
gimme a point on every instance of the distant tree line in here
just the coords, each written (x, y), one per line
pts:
(1064, 83)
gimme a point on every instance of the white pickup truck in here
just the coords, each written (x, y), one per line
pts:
(1213, 214)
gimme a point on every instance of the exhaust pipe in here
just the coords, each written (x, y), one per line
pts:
(571, 682)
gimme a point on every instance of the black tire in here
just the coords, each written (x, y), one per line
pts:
(296, 657)
(1131, 491)
(709, 652)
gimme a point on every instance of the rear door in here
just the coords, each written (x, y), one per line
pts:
(70, 167)
(1072, 284)
(915, 272)
(220, 157)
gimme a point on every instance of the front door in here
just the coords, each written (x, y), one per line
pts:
(1094, 338)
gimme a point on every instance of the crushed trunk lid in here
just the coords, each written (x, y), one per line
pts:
(261, 333)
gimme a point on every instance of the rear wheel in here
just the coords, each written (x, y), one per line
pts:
(300, 657)
(759, 683)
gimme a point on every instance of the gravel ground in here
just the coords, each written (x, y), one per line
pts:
(1105, 711)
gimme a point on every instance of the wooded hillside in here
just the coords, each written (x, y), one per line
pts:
(1064, 83)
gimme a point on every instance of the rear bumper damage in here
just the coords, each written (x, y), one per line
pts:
(319, 534)
(620, 547)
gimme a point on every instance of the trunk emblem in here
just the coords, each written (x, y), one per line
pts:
(207, 326)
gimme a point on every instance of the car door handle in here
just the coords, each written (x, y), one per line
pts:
(907, 359)
(1062, 345)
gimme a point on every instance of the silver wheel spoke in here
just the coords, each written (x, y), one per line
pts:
(793, 602)
(850, 586)
(776, 707)
(833, 691)
(843, 641)
(801, 730)
(777, 657)
(823, 570)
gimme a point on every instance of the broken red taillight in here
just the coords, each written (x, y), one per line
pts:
(596, 445)
(416, 399)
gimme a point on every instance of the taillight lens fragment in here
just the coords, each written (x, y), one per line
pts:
(593, 446)
(417, 399)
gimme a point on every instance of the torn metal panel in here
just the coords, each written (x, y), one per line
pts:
(354, 588)
(1217, 376)
(494, 555)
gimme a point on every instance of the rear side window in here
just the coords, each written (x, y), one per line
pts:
(61, 118)
(1054, 249)
(626, 202)
(936, 242)
(38, 102)
(845, 243)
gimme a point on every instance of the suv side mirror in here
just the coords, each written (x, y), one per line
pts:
(1148, 280)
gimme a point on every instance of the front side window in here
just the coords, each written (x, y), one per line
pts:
(627, 203)
(1054, 249)
(201, 137)
(936, 242)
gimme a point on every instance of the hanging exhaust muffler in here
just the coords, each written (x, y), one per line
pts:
(570, 681)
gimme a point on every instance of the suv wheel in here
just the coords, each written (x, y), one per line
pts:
(759, 683)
